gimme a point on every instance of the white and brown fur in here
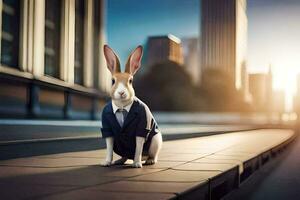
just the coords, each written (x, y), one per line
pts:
(122, 94)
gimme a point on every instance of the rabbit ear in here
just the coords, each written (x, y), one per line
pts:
(112, 60)
(134, 60)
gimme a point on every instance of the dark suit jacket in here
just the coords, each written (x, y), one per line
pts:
(139, 122)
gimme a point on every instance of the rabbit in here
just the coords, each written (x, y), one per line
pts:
(128, 126)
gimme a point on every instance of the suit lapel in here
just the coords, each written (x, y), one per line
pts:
(112, 117)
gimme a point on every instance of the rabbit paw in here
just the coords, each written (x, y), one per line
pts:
(137, 165)
(150, 161)
(106, 163)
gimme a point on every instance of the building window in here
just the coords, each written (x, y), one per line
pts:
(79, 30)
(52, 37)
(10, 33)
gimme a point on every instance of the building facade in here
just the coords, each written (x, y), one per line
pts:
(296, 99)
(260, 87)
(224, 37)
(164, 48)
(278, 101)
(191, 61)
(258, 90)
(52, 63)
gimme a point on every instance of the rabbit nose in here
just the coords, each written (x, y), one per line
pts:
(121, 93)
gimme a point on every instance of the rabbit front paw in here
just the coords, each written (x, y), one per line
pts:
(106, 163)
(137, 165)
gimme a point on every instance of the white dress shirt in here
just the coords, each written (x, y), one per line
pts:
(121, 113)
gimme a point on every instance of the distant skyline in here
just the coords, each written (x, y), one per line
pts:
(273, 31)
(130, 22)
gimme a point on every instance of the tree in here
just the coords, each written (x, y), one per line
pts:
(167, 87)
(218, 90)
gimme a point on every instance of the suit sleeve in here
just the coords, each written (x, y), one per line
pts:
(106, 128)
(145, 121)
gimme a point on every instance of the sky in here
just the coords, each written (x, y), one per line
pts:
(273, 31)
(274, 39)
(130, 22)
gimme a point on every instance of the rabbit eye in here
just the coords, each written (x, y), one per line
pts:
(130, 81)
(113, 81)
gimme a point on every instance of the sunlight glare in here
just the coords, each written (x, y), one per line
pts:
(285, 78)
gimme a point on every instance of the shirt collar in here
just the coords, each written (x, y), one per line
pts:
(115, 107)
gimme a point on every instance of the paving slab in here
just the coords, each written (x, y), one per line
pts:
(49, 162)
(29, 191)
(71, 177)
(187, 167)
(181, 157)
(177, 176)
(145, 186)
(164, 164)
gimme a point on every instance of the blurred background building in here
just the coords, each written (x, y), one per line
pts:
(258, 90)
(278, 101)
(191, 58)
(51, 59)
(296, 106)
(164, 48)
(224, 38)
(260, 87)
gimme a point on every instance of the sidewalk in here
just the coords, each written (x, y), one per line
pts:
(205, 167)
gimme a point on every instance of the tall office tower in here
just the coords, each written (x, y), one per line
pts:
(224, 37)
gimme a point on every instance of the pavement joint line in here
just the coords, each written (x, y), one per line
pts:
(168, 181)
(26, 166)
(195, 170)
(119, 191)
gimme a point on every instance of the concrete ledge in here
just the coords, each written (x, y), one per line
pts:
(199, 168)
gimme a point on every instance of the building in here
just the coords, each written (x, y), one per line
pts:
(260, 89)
(164, 48)
(278, 101)
(191, 59)
(51, 59)
(296, 100)
(224, 37)
(257, 88)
